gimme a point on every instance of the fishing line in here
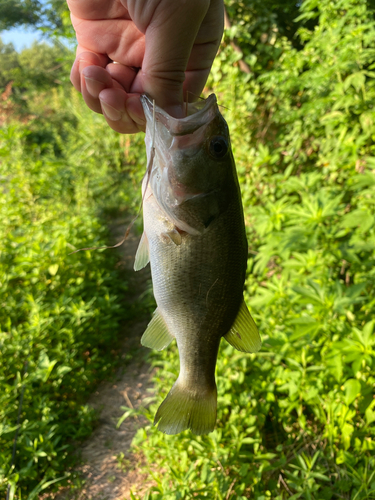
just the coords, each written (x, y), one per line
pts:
(148, 173)
(203, 99)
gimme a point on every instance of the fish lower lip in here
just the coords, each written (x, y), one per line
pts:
(187, 125)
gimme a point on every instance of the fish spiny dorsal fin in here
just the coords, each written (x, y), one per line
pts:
(157, 335)
(244, 335)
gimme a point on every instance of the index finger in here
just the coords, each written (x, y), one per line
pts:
(97, 9)
(85, 58)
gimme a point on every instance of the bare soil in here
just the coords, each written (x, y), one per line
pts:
(110, 469)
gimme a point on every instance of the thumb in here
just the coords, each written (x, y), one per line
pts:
(169, 41)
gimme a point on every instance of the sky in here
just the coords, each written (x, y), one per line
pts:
(20, 37)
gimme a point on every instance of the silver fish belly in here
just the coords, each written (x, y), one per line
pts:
(194, 237)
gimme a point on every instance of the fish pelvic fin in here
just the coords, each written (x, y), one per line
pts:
(185, 409)
(244, 335)
(157, 335)
(142, 257)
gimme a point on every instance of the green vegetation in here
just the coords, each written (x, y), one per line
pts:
(51, 16)
(25, 75)
(295, 420)
(60, 314)
(17, 13)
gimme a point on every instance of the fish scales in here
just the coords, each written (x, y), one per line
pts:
(197, 289)
(195, 240)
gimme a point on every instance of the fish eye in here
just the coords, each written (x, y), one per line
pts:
(218, 147)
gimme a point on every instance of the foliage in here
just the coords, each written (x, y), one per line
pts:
(9, 60)
(36, 69)
(55, 20)
(51, 16)
(297, 419)
(43, 65)
(257, 27)
(60, 312)
(15, 13)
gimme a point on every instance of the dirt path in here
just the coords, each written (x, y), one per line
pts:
(110, 469)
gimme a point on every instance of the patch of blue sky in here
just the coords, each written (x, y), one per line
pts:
(20, 37)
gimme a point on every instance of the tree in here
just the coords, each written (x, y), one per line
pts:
(8, 62)
(19, 12)
(41, 66)
(52, 16)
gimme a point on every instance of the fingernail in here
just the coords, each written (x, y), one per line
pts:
(93, 86)
(110, 112)
(82, 64)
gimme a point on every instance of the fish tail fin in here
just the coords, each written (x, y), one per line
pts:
(184, 408)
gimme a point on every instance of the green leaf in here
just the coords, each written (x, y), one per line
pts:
(318, 475)
(305, 325)
(367, 179)
(367, 334)
(129, 413)
(370, 413)
(357, 80)
(45, 484)
(62, 370)
(12, 491)
(53, 269)
(335, 365)
(358, 218)
(265, 456)
(333, 116)
(264, 298)
(352, 389)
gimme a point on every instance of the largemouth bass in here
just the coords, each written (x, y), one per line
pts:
(194, 238)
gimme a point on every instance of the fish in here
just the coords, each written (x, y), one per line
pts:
(195, 240)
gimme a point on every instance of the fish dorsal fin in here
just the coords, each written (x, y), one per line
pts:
(156, 335)
(142, 257)
(244, 335)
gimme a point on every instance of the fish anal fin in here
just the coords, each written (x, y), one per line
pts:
(157, 335)
(142, 257)
(185, 409)
(244, 335)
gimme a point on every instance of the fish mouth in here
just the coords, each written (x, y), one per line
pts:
(198, 114)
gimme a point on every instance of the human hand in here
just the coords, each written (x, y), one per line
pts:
(164, 48)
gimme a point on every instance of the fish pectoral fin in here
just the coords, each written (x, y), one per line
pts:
(244, 335)
(142, 257)
(157, 335)
(174, 236)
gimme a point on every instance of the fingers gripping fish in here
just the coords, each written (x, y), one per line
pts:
(195, 240)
